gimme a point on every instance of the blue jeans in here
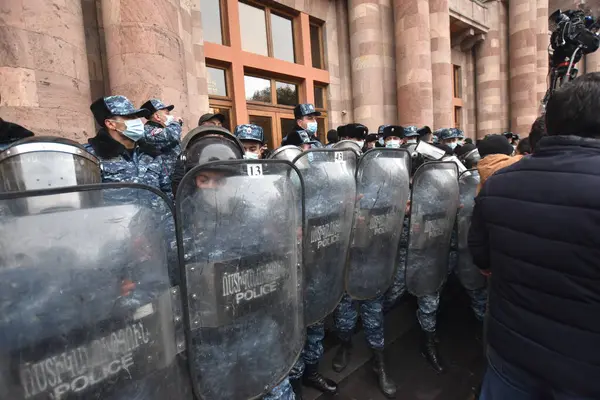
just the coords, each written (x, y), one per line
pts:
(504, 381)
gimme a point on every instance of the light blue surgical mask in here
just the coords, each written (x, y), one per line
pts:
(134, 129)
(250, 155)
(392, 144)
(411, 141)
(452, 145)
(381, 142)
(312, 127)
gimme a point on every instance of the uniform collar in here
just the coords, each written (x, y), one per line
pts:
(107, 147)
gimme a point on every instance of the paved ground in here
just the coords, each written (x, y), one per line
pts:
(460, 350)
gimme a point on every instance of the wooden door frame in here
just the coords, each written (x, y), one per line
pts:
(275, 115)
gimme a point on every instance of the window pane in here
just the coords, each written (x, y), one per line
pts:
(457, 117)
(211, 21)
(257, 89)
(265, 123)
(253, 27)
(216, 81)
(319, 94)
(315, 46)
(287, 94)
(457, 82)
(226, 112)
(287, 125)
(283, 38)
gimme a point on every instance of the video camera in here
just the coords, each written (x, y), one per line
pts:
(574, 34)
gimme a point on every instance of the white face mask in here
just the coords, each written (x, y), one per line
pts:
(361, 143)
(134, 129)
(250, 156)
(392, 144)
(411, 141)
(452, 145)
(169, 120)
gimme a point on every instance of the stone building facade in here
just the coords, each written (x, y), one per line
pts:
(477, 65)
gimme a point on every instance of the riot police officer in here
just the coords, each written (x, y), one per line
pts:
(202, 145)
(163, 131)
(92, 280)
(306, 120)
(117, 145)
(371, 141)
(449, 137)
(306, 369)
(253, 139)
(371, 309)
(354, 132)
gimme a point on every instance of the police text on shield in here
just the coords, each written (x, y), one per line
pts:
(76, 370)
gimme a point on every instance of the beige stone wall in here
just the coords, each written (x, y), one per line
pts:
(441, 63)
(523, 61)
(337, 49)
(491, 74)
(464, 59)
(390, 106)
(366, 51)
(413, 62)
(44, 76)
(154, 49)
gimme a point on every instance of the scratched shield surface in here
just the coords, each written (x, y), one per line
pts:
(382, 186)
(241, 235)
(434, 203)
(86, 302)
(468, 274)
(330, 191)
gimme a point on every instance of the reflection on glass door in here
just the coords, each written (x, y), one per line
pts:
(286, 125)
(265, 122)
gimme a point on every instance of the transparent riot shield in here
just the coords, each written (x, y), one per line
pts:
(434, 203)
(382, 187)
(86, 304)
(241, 235)
(330, 192)
(468, 274)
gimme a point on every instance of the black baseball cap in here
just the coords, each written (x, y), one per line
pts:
(302, 110)
(209, 116)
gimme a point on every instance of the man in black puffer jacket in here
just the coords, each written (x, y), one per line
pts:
(544, 257)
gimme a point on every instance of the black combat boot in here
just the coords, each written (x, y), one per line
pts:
(297, 386)
(342, 356)
(430, 352)
(386, 384)
(314, 379)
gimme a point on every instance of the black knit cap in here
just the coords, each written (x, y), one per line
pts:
(393, 130)
(356, 131)
(494, 144)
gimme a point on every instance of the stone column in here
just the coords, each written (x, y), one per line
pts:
(390, 107)
(413, 62)
(366, 50)
(502, 7)
(543, 39)
(523, 62)
(144, 52)
(346, 89)
(488, 79)
(592, 63)
(44, 77)
(441, 63)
